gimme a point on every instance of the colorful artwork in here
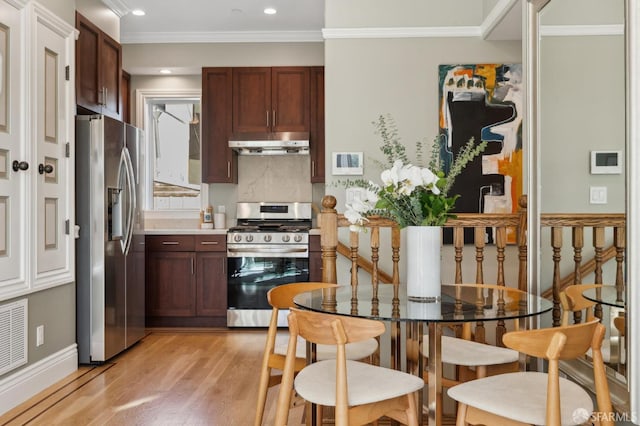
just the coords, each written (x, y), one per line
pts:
(484, 102)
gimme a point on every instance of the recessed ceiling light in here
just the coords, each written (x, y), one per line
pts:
(138, 12)
(270, 11)
(165, 71)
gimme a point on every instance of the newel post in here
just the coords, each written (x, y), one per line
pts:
(328, 224)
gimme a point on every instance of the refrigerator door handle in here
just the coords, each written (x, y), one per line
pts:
(129, 178)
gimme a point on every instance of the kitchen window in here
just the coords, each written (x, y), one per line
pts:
(171, 121)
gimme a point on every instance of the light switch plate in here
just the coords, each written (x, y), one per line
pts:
(598, 195)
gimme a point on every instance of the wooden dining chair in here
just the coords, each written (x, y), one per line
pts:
(360, 392)
(281, 297)
(474, 360)
(537, 398)
(573, 302)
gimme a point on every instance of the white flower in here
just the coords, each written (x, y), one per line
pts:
(410, 178)
(392, 175)
(429, 179)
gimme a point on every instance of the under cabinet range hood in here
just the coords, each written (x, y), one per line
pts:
(281, 143)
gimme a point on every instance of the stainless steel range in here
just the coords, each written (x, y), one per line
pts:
(268, 247)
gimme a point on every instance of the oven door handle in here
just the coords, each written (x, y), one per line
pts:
(268, 250)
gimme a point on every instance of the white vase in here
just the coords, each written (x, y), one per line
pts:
(423, 245)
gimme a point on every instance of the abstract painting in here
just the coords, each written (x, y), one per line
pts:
(484, 102)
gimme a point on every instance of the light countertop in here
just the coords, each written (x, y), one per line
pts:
(184, 231)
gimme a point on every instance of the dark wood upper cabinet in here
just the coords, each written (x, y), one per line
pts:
(316, 128)
(98, 70)
(271, 99)
(126, 97)
(219, 162)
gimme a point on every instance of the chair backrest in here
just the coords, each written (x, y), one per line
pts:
(336, 330)
(572, 301)
(563, 343)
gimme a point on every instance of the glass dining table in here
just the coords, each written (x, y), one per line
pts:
(459, 304)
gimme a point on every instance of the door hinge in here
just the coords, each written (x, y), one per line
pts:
(67, 226)
(67, 72)
(67, 150)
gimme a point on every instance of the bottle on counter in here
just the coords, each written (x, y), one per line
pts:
(207, 222)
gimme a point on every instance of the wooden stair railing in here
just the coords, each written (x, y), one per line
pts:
(503, 224)
(577, 222)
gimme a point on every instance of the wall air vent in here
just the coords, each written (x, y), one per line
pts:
(13, 335)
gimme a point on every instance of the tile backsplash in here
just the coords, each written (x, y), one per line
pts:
(274, 178)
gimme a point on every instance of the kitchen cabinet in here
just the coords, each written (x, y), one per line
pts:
(36, 144)
(186, 281)
(98, 70)
(219, 162)
(316, 129)
(315, 259)
(126, 97)
(270, 99)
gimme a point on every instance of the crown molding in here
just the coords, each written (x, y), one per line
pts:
(222, 37)
(581, 30)
(119, 7)
(401, 32)
(496, 16)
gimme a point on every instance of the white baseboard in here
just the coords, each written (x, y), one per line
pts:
(25, 383)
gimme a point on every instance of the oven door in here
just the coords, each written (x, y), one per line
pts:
(250, 277)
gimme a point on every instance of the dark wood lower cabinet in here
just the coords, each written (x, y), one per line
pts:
(315, 258)
(186, 281)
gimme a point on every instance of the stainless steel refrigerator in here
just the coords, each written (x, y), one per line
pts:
(110, 248)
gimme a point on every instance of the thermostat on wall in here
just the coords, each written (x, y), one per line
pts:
(606, 162)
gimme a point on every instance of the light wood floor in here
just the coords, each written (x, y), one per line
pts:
(169, 378)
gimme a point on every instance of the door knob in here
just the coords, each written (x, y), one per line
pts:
(20, 165)
(42, 168)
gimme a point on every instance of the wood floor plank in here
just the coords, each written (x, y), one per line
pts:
(169, 378)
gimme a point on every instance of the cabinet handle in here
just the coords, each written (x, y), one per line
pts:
(193, 267)
(274, 118)
(104, 97)
(170, 243)
(45, 168)
(209, 243)
(20, 165)
(313, 168)
(267, 118)
(229, 169)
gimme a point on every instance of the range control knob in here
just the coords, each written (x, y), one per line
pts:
(286, 238)
(249, 238)
(297, 238)
(237, 238)
(267, 238)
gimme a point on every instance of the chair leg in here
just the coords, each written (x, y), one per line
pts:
(262, 394)
(412, 410)
(462, 414)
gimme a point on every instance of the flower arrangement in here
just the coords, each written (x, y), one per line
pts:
(412, 195)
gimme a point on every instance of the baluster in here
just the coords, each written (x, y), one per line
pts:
(522, 243)
(458, 244)
(578, 244)
(598, 245)
(479, 237)
(375, 257)
(556, 244)
(501, 244)
(395, 255)
(620, 244)
(354, 243)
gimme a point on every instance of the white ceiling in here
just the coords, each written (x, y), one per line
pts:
(190, 21)
(221, 20)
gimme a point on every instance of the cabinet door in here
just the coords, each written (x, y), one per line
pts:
(316, 131)
(219, 162)
(252, 111)
(88, 86)
(13, 183)
(52, 134)
(290, 99)
(110, 76)
(211, 284)
(171, 286)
